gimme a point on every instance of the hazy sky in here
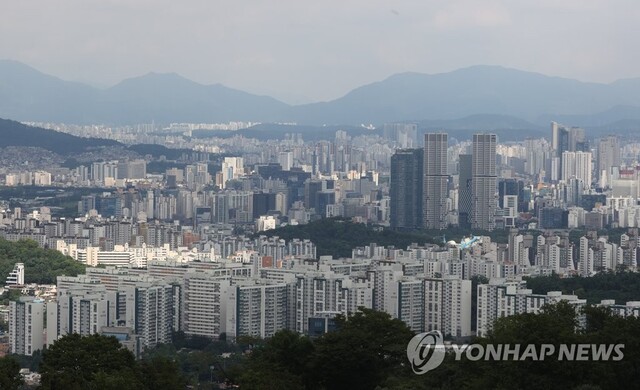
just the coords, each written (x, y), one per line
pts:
(318, 50)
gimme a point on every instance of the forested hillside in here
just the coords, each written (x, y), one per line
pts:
(40, 265)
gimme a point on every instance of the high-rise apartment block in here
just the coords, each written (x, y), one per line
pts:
(435, 192)
(577, 165)
(257, 308)
(500, 298)
(465, 191)
(26, 323)
(484, 181)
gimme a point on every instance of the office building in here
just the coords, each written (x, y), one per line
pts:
(608, 157)
(405, 135)
(565, 139)
(406, 188)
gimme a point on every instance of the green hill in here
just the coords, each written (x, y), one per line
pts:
(14, 133)
(40, 265)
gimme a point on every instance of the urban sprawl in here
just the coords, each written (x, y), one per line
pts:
(188, 249)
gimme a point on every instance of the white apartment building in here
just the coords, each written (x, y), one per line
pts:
(411, 305)
(16, 276)
(149, 312)
(257, 308)
(204, 298)
(578, 165)
(26, 326)
(447, 306)
(500, 299)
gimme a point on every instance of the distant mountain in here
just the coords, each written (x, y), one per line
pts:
(598, 119)
(16, 134)
(169, 98)
(470, 91)
(29, 95)
(487, 93)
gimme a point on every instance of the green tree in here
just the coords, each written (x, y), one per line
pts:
(10, 377)
(280, 363)
(161, 373)
(367, 349)
(76, 362)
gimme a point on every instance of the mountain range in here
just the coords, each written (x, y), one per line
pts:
(498, 97)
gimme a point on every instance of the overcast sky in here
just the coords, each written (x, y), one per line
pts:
(300, 50)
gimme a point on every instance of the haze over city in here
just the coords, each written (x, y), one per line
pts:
(319, 195)
(301, 52)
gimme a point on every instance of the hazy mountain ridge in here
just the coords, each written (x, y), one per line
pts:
(471, 91)
(29, 95)
(488, 92)
(17, 134)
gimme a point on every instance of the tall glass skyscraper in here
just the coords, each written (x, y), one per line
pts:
(406, 188)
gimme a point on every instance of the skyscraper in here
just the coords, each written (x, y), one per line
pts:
(484, 180)
(565, 139)
(608, 157)
(406, 188)
(404, 134)
(465, 189)
(435, 181)
(578, 165)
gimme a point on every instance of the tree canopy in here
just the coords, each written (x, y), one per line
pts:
(40, 265)
(337, 236)
(100, 362)
(368, 351)
(10, 377)
(621, 286)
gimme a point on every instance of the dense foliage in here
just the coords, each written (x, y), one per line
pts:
(554, 325)
(99, 362)
(199, 358)
(621, 286)
(159, 150)
(337, 237)
(369, 352)
(40, 265)
(10, 378)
